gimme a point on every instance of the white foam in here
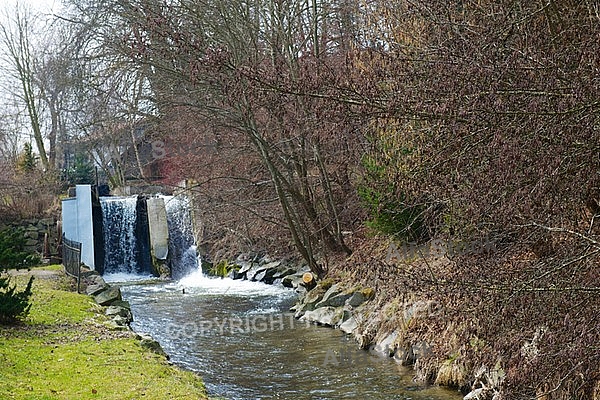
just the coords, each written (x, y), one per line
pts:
(124, 277)
(197, 282)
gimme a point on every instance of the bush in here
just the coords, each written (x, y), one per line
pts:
(26, 194)
(27, 160)
(223, 268)
(390, 209)
(14, 305)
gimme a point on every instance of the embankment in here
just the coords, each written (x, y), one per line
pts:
(68, 348)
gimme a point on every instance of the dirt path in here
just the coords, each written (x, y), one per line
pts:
(37, 272)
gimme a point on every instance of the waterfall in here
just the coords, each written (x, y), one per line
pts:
(182, 250)
(127, 241)
(120, 243)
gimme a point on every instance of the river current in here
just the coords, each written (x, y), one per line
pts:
(240, 337)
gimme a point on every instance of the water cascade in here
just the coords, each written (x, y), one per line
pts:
(182, 249)
(127, 244)
(119, 220)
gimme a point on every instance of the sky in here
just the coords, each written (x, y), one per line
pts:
(7, 9)
(41, 5)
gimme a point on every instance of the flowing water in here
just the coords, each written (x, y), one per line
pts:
(119, 220)
(240, 338)
(126, 236)
(182, 251)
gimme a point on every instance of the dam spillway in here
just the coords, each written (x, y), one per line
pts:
(142, 234)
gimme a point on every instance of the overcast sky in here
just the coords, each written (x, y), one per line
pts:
(47, 6)
(7, 8)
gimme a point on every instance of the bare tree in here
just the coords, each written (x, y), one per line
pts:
(9, 140)
(236, 64)
(19, 53)
(480, 123)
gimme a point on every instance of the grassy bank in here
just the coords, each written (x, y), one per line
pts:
(63, 350)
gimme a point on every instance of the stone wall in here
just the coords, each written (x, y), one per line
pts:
(35, 232)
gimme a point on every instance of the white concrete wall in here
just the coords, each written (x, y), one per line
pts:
(77, 222)
(69, 218)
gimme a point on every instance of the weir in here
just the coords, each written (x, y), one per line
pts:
(118, 222)
(144, 234)
(126, 242)
(182, 248)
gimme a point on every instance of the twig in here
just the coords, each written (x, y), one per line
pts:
(592, 223)
(563, 230)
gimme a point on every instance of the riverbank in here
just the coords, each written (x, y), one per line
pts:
(386, 326)
(381, 321)
(240, 337)
(454, 329)
(66, 349)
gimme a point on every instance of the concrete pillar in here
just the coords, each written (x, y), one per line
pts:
(159, 234)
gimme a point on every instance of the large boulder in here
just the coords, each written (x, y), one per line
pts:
(31, 234)
(330, 316)
(120, 321)
(292, 281)
(120, 313)
(272, 265)
(149, 343)
(120, 316)
(108, 296)
(404, 356)
(283, 271)
(360, 296)
(387, 346)
(349, 326)
(266, 276)
(46, 223)
(94, 290)
(244, 267)
(121, 303)
(410, 354)
(334, 297)
(111, 311)
(254, 271)
(270, 274)
(236, 275)
(96, 280)
(309, 301)
(86, 273)
(336, 300)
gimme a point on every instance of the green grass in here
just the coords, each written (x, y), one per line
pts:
(54, 267)
(63, 350)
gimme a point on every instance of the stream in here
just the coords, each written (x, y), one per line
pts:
(240, 337)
